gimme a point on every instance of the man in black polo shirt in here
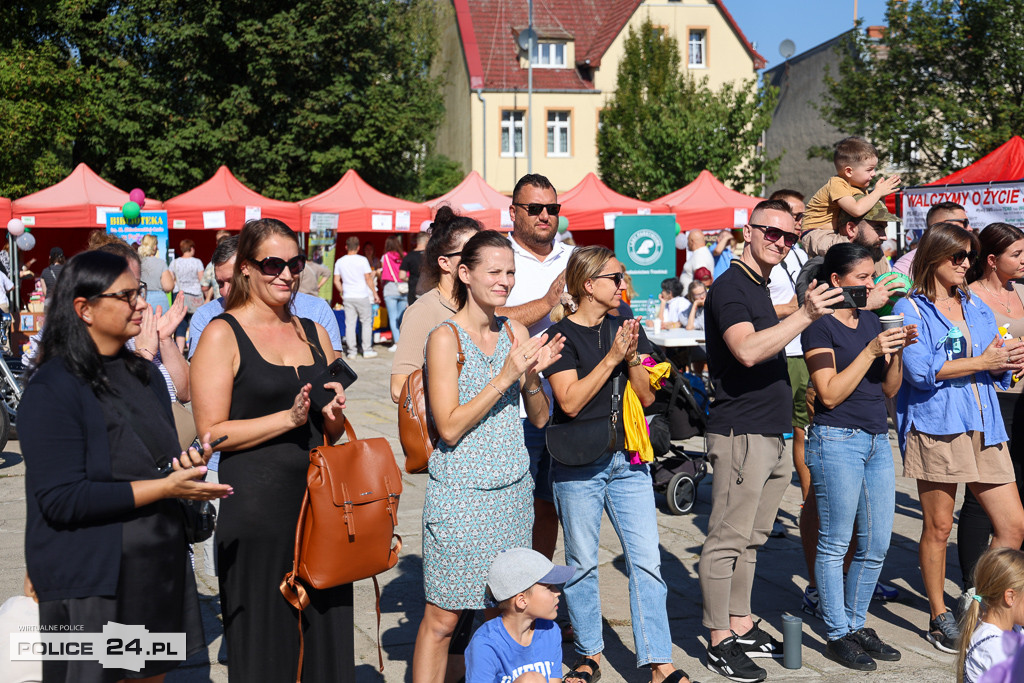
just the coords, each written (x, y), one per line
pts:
(752, 409)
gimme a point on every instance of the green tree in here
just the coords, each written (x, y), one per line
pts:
(941, 88)
(662, 126)
(436, 176)
(288, 93)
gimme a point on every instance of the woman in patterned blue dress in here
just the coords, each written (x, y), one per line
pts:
(480, 494)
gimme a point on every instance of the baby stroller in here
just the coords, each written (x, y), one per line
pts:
(679, 411)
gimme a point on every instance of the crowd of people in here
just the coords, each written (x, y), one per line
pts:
(531, 356)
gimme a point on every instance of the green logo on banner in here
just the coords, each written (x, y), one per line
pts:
(645, 247)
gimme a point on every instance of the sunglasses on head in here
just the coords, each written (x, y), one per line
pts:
(536, 209)
(772, 234)
(617, 278)
(273, 266)
(959, 257)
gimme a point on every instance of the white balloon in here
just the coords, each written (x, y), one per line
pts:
(26, 242)
(15, 226)
(681, 240)
(425, 226)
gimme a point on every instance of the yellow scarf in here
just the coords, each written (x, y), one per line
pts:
(638, 438)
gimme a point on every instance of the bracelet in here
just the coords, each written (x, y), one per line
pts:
(635, 362)
(534, 392)
(491, 385)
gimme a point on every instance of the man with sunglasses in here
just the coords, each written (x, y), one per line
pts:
(943, 212)
(540, 281)
(752, 410)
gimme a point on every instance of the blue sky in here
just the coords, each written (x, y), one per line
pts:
(806, 22)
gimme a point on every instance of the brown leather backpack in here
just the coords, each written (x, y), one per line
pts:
(416, 428)
(346, 528)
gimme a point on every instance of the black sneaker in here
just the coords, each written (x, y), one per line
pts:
(848, 652)
(943, 633)
(875, 646)
(756, 643)
(728, 659)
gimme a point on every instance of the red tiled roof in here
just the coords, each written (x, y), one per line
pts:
(489, 27)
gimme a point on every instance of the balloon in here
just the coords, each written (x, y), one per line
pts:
(563, 224)
(26, 242)
(15, 227)
(131, 211)
(679, 228)
(425, 226)
(904, 284)
(681, 241)
(138, 196)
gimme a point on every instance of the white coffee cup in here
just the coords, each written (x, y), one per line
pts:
(890, 322)
(657, 326)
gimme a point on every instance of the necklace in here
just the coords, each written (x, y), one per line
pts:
(1005, 303)
(950, 299)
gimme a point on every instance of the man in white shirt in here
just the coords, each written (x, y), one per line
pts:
(353, 278)
(697, 256)
(540, 281)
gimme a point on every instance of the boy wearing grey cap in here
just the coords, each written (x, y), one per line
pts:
(523, 644)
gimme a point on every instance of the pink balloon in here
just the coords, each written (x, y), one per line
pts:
(138, 196)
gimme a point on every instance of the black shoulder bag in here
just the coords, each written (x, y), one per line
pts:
(581, 442)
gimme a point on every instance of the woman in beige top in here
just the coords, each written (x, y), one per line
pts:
(1000, 263)
(448, 233)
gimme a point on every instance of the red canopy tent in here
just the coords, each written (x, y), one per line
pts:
(361, 208)
(223, 202)
(707, 204)
(79, 201)
(5, 211)
(592, 205)
(475, 198)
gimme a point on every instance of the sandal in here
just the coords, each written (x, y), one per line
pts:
(592, 676)
(677, 676)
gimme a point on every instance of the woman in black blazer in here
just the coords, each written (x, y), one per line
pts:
(105, 539)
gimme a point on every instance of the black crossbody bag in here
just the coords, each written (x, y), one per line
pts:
(581, 442)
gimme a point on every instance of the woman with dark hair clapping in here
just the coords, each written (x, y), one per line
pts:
(105, 539)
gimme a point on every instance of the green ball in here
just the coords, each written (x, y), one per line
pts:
(131, 211)
(679, 228)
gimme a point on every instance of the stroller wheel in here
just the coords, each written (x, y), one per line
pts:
(681, 493)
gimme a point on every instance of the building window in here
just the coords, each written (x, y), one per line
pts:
(512, 133)
(549, 55)
(698, 48)
(558, 133)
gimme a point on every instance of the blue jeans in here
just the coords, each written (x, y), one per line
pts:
(396, 304)
(623, 491)
(853, 478)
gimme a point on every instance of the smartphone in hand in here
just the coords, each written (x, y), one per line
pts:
(338, 371)
(853, 297)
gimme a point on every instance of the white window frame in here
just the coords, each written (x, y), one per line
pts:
(700, 44)
(555, 125)
(545, 55)
(511, 120)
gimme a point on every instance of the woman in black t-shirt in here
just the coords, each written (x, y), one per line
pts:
(853, 365)
(601, 350)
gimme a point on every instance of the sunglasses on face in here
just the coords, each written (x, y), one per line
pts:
(536, 209)
(129, 296)
(273, 266)
(798, 216)
(452, 254)
(965, 223)
(959, 257)
(617, 278)
(773, 234)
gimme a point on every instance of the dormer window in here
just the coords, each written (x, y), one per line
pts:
(549, 55)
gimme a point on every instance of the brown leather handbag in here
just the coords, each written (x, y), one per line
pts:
(346, 528)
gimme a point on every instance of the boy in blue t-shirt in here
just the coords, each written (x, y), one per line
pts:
(523, 645)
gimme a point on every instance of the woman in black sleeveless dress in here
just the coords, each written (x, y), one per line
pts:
(251, 378)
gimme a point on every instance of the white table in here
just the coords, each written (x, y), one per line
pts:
(676, 337)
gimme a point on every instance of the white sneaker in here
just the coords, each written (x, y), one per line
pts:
(350, 355)
(369, 354)
(393, 348)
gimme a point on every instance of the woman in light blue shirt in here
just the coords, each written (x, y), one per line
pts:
(949, 423)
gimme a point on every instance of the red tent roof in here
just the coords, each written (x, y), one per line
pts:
(75, 202)
(359, 207)
(707, 204)
(224, 202)
(592, 205)
(474, 197)
(1005, 162)
(5, 211)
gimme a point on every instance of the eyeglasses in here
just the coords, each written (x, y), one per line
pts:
(965, 223)
(959, 257)
(798, 216)
(129, 296)
(452, 254)
(536, 209)
(772, 234)
(617, 278)
(273, 266)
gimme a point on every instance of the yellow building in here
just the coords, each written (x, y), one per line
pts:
(492, 120)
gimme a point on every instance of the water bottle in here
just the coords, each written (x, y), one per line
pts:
(652, 307)
(792, 641)
(956, 347)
